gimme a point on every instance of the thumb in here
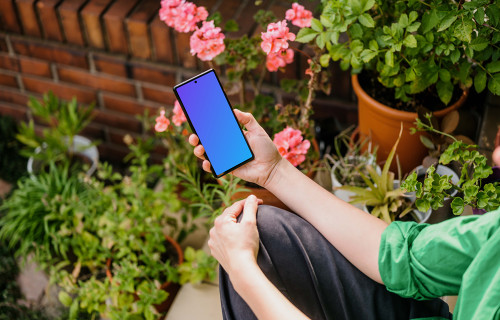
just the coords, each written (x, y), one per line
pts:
(247, 120)
(250, 210)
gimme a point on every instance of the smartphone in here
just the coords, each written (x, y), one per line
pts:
(211, 117)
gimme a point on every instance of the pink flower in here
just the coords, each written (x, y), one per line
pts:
(182, 15)
(275, 39)
(179, 117)
(207, 42)
(291, 145)
(276, 60)
(299, 16)
(309, 71)
(162, 122)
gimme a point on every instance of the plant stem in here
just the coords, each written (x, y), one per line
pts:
(242, 92)
(300, 51)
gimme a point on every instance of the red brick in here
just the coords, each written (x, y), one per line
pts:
(48, 15)
(91, 17)
(3, 44)
(112, 66)
(117, 120)
(8, 17)
(49, 52)
(94, 131)
(68, 11)
(137, 28)
(246, 21)
(127, 105)
(8, 62)
(183, 50)
(14, 110)
(154, 75)
(27, 15)
(35, 67)
(64, 91)
(13, 96)
(8, 79)
(115, 28)
(116, 136)
(163, 95)
(162, 42)
(99, 82)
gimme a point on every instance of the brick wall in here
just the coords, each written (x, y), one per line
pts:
(118, 54)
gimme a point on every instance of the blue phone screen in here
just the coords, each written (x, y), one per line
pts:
(210, 113)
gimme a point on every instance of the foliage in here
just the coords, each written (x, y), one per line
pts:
(64, 120)
(197, 267)
(12, 165)
(387, 200)
(474, 168)
(351, 159)
(413, 45)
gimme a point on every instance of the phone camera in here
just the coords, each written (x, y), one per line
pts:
(196, 82)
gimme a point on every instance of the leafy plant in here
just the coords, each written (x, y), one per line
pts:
(12, 165)
(64, 120)
(197, 267)
(474, 168)
(413, 46)
(388, 201)
(351, 159)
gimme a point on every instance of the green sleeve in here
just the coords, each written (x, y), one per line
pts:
(424, 261)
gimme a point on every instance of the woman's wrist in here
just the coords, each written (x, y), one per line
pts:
(275, 174)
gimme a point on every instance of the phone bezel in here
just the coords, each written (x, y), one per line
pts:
(194, 130)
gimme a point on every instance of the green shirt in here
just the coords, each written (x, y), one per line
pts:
(459, 256)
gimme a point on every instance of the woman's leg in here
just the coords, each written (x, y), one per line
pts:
(317, 279)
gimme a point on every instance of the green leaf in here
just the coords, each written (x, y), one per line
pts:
(429, 21)
(367, 4)
(455, 56)
(325, 21)
(366, 20)
(480, 81)
(463, 31)
(479, 15)
(479, 44)
(356, 31)
(457, 205)
(216, 17)
(373, 45)
(403, 20)
(324, 60)
(445, 91)
(231, 26)
(444, 75)
(389, 58)
(65, 299)
(320, 40)
(447, 21)
(410, 41)
(367, 55)
(494, 84)
(316, 25)
(305, 35)
(427, 142)
(493, 67)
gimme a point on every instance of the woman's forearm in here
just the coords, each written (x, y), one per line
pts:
(265, 300)
(352, 231)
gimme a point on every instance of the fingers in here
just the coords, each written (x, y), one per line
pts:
(247, 120)
(250, 210)
(496, 156)
(193, 140)
(206, 166)
(199, 151)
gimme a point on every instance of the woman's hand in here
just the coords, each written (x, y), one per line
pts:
(234, 244)
(267, 157)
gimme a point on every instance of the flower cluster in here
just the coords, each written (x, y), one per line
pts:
(162, 122)
(280, 59)
(275, 39)
(291, 145)
(179, 117)
(182, 15)
(299, 16)
(207, 42)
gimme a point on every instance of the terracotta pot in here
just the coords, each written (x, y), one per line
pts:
(170, 287)
(383, 123)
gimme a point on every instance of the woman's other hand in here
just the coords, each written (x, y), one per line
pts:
(236, 244)
(267, 157)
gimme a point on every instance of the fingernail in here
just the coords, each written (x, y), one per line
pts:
(252, 197)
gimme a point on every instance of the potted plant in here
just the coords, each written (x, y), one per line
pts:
(408, 55)
(471, 187)
(60, 141)
(197, 267)
(349, 161)
(383, 198)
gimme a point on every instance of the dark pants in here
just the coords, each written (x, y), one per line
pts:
(317, 279)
